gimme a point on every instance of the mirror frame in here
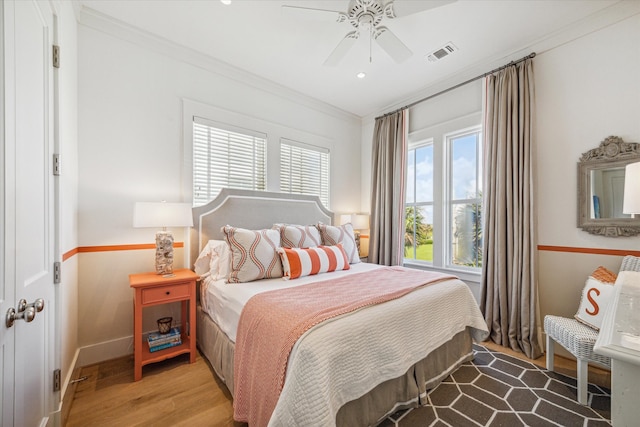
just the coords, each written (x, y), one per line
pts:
(611, 153)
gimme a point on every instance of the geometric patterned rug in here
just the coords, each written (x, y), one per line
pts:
(496, 389)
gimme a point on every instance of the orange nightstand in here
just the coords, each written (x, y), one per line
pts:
(153, 289)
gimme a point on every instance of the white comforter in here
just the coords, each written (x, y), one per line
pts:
(339, 361)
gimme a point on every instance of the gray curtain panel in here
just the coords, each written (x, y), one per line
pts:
(386, 237)
(509, 298)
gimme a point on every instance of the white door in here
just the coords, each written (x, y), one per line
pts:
(27, 227)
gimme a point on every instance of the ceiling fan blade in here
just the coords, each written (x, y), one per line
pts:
(400, 8)
(341, 50)
(321, 15)
(392, 44)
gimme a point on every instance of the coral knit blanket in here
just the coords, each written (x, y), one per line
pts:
(271, 323)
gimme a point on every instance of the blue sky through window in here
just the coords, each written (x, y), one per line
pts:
(420, 178)
(464, 162)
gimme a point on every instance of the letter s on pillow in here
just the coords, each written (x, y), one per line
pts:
(596, 308)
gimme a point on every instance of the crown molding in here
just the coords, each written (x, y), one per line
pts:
(611, 15)
(93, 19)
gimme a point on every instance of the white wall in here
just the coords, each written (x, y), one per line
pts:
(131, 149)
(586, 89)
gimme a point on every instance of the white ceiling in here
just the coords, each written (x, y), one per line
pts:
(257, 37)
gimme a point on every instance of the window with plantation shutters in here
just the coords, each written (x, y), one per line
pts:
(304, 169)
(226, 156)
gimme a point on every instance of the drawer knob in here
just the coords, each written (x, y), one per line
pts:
(168, 292)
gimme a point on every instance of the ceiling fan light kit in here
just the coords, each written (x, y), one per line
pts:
(366, 17)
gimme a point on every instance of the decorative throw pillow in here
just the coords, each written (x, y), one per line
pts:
(604, 275)
(298, 262)
(596, 295)
(253, 254)
(298, 236)
(332, 235)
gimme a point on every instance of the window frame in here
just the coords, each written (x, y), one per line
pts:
(442, 183)
(415, 146)
(449, 201)
(274, 132)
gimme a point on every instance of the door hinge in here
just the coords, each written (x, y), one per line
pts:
(56, 380)
(56, 56)
(57, 272)
(56, 164)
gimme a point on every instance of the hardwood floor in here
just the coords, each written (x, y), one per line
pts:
(171, 393)
(177, 393)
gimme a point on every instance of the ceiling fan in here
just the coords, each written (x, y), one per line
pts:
(366, 16)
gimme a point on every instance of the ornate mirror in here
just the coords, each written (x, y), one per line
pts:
(601, 187)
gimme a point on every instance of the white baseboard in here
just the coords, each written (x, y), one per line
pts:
(106, 350)
(70, 371)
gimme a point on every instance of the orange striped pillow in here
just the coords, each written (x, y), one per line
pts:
(298, 262)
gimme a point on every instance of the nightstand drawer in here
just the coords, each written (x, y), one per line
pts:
(164, 293)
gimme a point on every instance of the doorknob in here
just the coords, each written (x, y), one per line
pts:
(27, 312)
(28, 315)
(37, 304)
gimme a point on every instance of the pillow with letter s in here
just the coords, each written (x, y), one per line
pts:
(596, 295)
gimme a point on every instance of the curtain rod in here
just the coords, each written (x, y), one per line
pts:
(531, 55)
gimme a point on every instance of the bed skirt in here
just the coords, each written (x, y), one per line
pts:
(406, 391)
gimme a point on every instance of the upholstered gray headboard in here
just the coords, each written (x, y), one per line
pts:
(254, 210)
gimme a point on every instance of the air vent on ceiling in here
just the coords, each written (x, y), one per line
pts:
(443, 52)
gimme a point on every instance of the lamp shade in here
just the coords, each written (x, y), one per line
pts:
(360, 221)
(631, 204)
(162, 214)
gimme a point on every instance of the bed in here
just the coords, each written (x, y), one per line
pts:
(356, 368)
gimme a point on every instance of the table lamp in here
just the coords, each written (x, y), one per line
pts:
(631, 198)
(163, 214)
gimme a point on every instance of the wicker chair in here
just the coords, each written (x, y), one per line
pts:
(579, 339)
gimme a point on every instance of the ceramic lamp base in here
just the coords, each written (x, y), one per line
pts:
(164, 252)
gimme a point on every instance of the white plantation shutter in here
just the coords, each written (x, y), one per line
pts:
(226, 156)
(304, 169)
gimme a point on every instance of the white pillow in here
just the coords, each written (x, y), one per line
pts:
(202, 266)
(214, 260)
(253, 254)
(332, 235)
(596, 296)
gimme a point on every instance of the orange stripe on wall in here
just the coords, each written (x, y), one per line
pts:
(594, 251)
(110, 248)
(67, 255)
(569, 249)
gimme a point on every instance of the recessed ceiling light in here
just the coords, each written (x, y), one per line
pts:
(225, 2)
(361, 75)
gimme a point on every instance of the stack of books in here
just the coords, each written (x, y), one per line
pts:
(158, 341)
